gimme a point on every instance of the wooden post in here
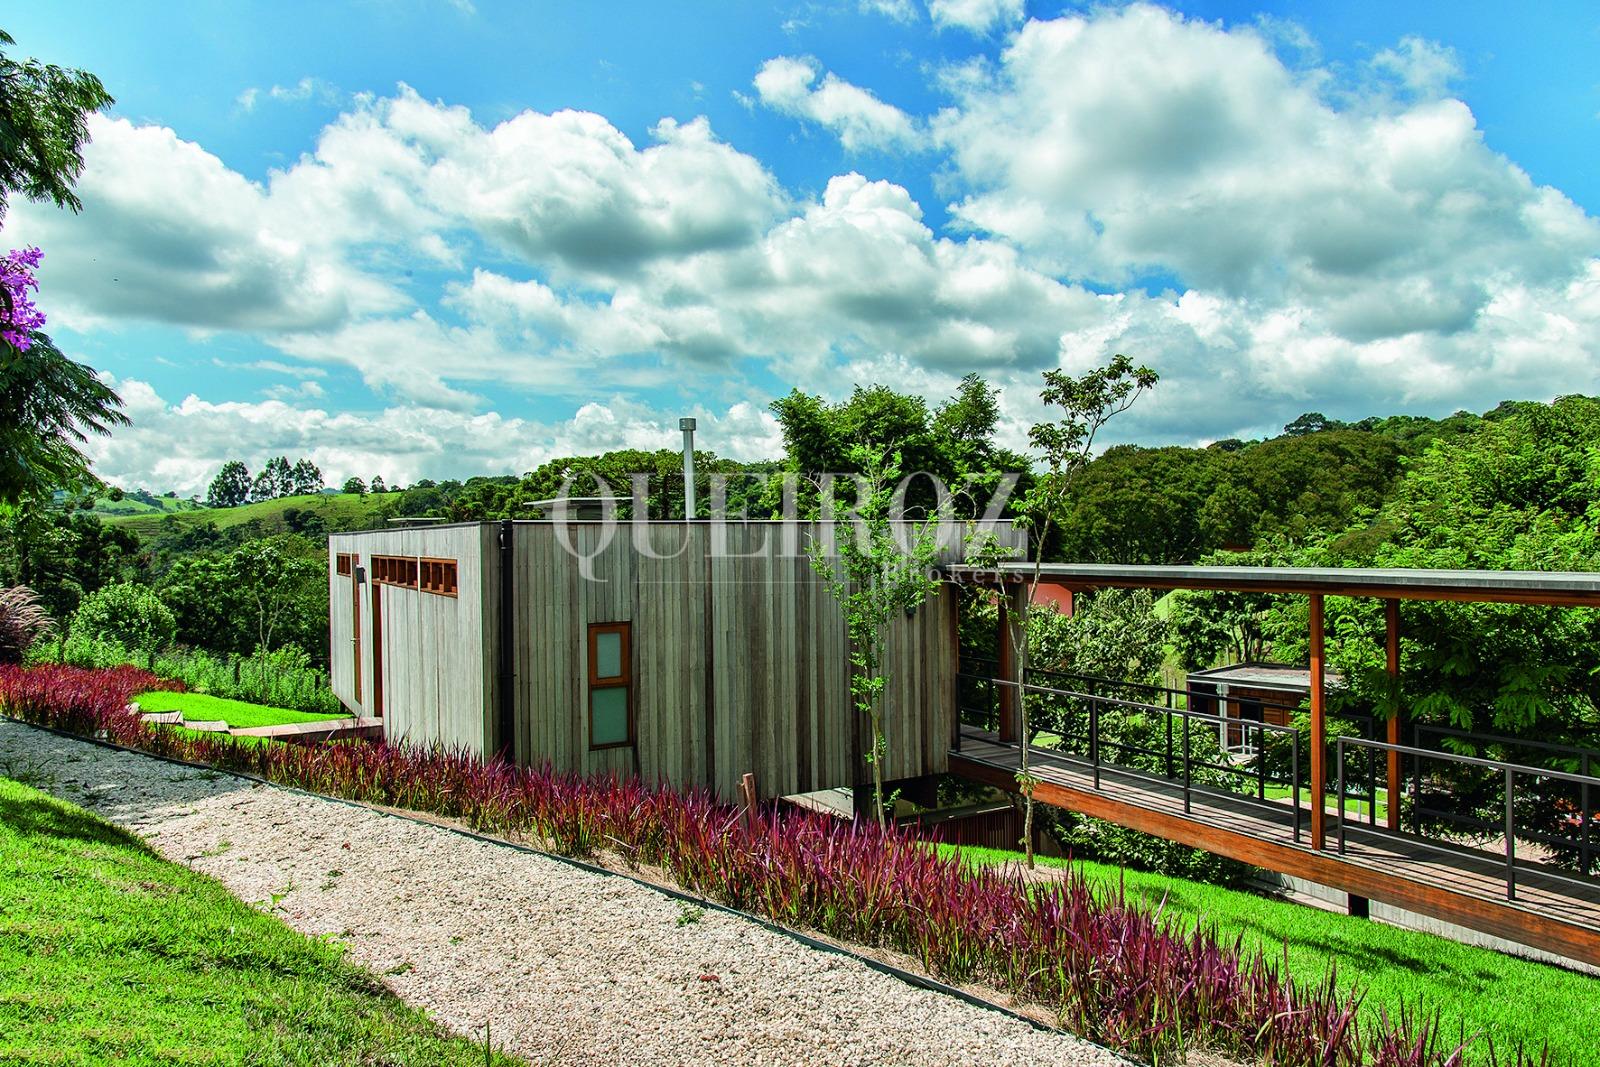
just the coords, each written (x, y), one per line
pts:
(747, 793)
(1007, 667)
(1391, 625)
(1318, 726)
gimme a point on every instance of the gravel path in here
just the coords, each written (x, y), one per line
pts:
(567, 966)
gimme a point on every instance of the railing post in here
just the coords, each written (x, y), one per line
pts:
(1167, 757)
(1261, 763)
(1585, 817)
(1094, 738)
(1511, 836)
(1391, 626)
(1338, 750)
(1294, 780)
(1187, 770)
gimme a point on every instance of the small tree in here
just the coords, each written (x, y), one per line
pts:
(377, 484)
(880, 573)
(354, 485)
(273, 583)
(131, 615)
(1087, 403)
(231, 486)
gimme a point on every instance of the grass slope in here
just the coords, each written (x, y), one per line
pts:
(1506, 998)
(105, 507)
(110, 954)
(238, 714)
(341, 511)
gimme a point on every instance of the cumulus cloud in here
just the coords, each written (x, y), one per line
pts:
(169, 233)
(975, 16)
(789, 85)
(1332, 246)
(1274, 238)
(898, 10)
(181, 445)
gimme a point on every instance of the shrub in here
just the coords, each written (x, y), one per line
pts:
(131, 615)
(22, 622)
(283, 678)
(1112, 971)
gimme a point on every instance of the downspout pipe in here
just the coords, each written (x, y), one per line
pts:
(508, 645)
(687, 426)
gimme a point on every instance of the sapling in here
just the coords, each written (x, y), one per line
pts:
(1087, 403)
(880, 572)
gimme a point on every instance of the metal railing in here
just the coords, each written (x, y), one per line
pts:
(1187, 762)
(1587, 759)
(1510, 772)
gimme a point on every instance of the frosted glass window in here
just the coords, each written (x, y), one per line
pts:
(608, 717)
(608, 655)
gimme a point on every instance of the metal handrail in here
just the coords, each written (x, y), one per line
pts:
(1187, 715)
(1510, 770)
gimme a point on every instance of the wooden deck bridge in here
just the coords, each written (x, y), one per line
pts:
(1488, 888)
(1550, 910)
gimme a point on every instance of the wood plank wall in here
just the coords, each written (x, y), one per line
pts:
(739, 656)
(434, 647)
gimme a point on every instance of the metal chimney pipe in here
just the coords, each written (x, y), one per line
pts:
(687, 426)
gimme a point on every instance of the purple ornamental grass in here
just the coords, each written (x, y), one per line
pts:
(19, 317)
(1113, 972)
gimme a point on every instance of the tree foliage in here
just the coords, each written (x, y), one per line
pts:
(49, 407)
(44, 124)
(231, 486)
(131, 615)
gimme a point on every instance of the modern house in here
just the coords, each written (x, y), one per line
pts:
(685, 651)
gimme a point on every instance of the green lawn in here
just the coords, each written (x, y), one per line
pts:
(1502, 996)
(201, 707)
(110, 954)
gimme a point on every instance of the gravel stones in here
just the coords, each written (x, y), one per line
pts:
(566, 966)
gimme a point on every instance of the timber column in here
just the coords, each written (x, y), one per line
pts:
(1011, 605)
(1318, 725)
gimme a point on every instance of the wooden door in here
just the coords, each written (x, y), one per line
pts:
(377, 649)
(355, 625)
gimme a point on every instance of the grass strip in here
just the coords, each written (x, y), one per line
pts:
(1505, 997)
(238, 714)
(111, 954)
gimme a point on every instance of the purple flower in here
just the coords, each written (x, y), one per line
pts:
(18, 315)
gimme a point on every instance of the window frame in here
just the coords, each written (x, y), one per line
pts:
(342, 565)
(401, 572)
(623, 681)
(448, 583)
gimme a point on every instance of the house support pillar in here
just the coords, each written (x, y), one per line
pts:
(1012, 605)
(1318, 726)
(1391, 627)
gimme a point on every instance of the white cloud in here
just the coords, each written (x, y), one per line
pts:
(1363, 255)
(181, 445)
(898, 10)
(1352, 248)
(975, 16)
(861, 121)
(171, 234)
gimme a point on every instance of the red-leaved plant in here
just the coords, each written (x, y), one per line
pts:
(1112, 971)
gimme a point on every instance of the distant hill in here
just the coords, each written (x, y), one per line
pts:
(143, 504)
(338, 511)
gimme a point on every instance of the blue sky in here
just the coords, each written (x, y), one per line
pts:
(1356, 208)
